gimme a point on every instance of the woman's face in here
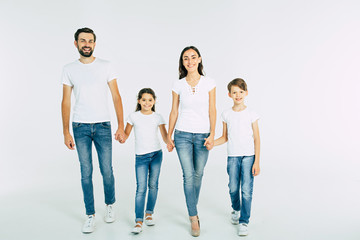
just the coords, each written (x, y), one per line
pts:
(191, 60)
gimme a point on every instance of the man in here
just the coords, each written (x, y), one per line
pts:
(90, 79)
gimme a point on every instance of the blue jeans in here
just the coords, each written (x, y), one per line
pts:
(239, 170)
(193, 156)
(100, 134)
(147, 166)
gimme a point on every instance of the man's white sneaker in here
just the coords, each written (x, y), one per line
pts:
(109, 214)
(243, 229)
(149, 221)
(89, 224)
(137, 229)
(235, 216)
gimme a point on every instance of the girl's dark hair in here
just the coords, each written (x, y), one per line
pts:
(182, 70)
(139, 96)
(85, 30)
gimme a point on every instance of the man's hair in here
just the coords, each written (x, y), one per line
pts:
(85, 30)
(239, 82)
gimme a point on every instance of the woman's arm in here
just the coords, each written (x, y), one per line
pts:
(256, 166)
(209, 141)
(223, 139)
(128, 129)
(172, 120)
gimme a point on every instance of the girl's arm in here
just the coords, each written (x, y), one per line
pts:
(172, 120)
(223, 139)
(256, 167)
(128, 129)
(163, 133)
(209, 141)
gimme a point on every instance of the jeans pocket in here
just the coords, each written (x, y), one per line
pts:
(76, 124)
(106, 124)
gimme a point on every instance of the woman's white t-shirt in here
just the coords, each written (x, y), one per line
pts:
(239, 131)
(146, 131)
(194, 105)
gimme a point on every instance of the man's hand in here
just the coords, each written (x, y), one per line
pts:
(120, 135)
(69, 141)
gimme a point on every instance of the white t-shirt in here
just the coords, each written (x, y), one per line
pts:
(89, 82)
(146, 131)
(239, 130)
(194, 106)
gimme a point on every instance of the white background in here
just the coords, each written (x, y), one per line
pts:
(299, 58)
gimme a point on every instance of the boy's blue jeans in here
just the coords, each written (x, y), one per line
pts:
(239, 170)
(193, 156)
(99, 133)
(147, 166)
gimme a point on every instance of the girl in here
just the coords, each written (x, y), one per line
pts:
(195, 126)
(148, 154)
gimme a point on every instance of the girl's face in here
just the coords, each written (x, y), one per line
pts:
(238, 95)
(191, 60)
(146, 102)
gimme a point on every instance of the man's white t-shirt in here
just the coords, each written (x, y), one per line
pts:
(194, 105)
(146, 129)
(90, 85)
(239, 131)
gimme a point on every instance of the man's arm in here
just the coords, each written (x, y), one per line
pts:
(65, 111)
(119, 135)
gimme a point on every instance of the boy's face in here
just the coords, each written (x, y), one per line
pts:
(238, 95)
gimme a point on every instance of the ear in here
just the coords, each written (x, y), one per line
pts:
(246, 93)
(75, 43)
(229, 95)
(200, 59)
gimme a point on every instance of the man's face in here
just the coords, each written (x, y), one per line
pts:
(85, 44)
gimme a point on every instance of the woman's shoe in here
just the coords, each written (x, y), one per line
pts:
(149, 221)
(137, 229)
(195, 233)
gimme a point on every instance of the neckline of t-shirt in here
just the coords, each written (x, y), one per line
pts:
(87, 64)
(201, 77)
(146, 114)
(239, 111)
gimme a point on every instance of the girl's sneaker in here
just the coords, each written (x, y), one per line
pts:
(235, 216)
(243, 229)
(137, 229)
(149, 221)
(89, 224)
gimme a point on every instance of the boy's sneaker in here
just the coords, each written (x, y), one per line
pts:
(109, 214)
(235, 216)
(149, 221)
(137, 229)
(243, 229)
(89, 224)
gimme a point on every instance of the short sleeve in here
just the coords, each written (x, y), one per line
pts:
(112, 74)
(130, 119)
(254, 116)
(210, 84)
(65, 78)
(176, 86)
(161, 120)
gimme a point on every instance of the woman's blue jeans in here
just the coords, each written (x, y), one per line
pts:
(193, 156)
(239, 170)
(147, 168)
(100, 134)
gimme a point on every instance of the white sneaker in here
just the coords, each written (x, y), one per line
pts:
(243, 229)
(149, 221)
(89, 224)
(235, 216)
(137, 229)
(109, 214)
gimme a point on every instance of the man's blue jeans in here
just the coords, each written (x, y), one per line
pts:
(100, 134)
(147, 166)
(193, 156)
(239, 170)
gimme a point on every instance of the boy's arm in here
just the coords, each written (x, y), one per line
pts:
(126, 133)
(163, 133)
(119, 134)
(256, 167)
(223, 139)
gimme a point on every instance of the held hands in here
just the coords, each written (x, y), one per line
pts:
(170, 144)
(209, 142)
(120, 135)
(69, 141)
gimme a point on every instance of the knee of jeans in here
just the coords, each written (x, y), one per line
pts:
(141, 188)
(246, 193)
(107, 172)
(199, 174)
(153, 185)
(188, 178)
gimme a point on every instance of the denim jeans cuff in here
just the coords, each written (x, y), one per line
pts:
(139, 219)
(149, 212)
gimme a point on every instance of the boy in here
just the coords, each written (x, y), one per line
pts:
(240, 129)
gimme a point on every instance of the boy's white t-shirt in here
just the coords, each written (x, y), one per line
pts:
(90, 85)
(146, 131)
(194, 106)
(239, 131)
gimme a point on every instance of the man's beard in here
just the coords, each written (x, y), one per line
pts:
(85, 54)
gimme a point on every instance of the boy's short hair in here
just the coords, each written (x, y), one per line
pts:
(239, 82)
(85, 30)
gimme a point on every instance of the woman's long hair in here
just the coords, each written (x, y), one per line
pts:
(182, 70)
(139, 96)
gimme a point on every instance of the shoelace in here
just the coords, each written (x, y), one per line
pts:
(109, 209)
(89, 221)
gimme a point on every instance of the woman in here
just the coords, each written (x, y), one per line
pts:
(195, 126)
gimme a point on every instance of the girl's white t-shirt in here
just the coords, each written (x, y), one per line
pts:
(194, 105)
(239, 131)
(91, 90)
(146, 131)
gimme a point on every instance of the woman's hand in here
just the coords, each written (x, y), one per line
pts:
(209, 142)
